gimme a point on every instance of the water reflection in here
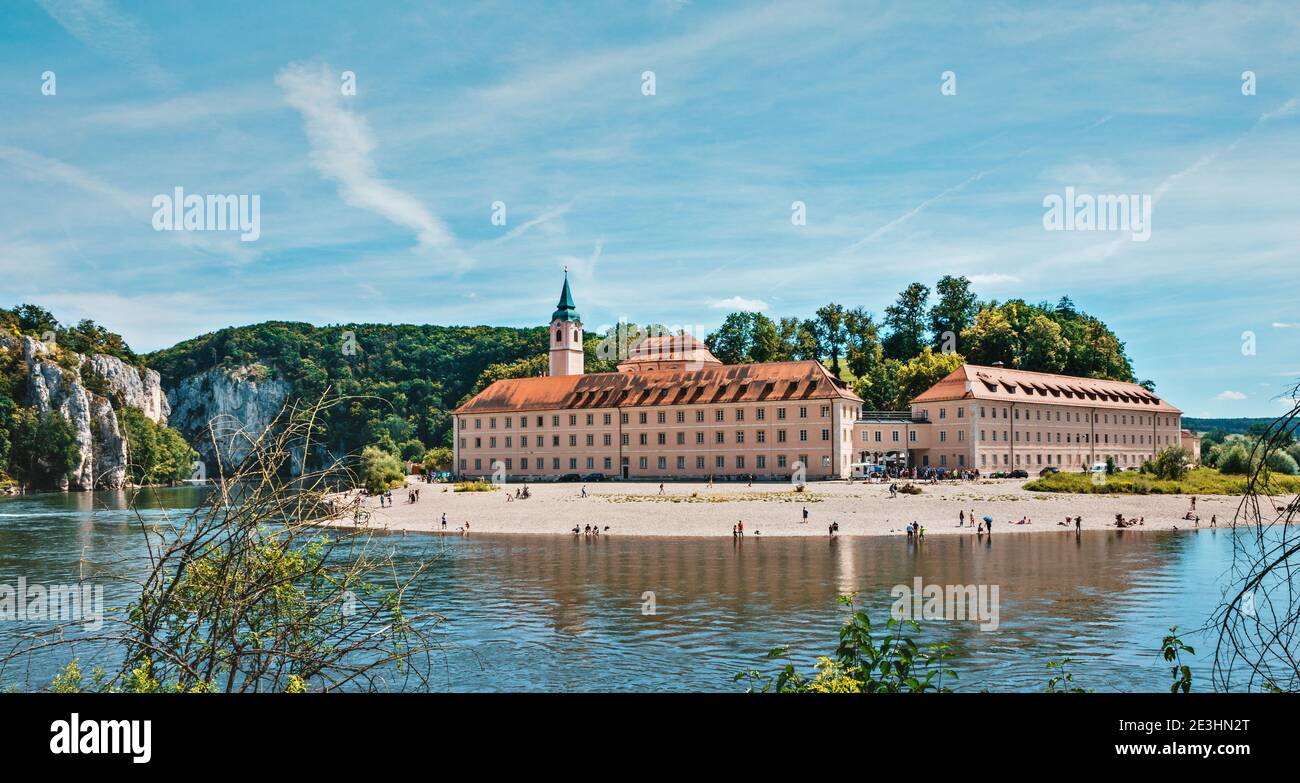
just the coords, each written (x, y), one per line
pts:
(562, 613)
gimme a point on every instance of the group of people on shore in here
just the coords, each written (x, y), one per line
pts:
(589, 531)
(1120, 521)
(1076, 521)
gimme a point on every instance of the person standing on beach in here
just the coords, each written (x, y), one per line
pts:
(661, 488)
(740, 527)
(444, 520)
(1078, 524)
(584, 490)
(961, 519)
(805, 515)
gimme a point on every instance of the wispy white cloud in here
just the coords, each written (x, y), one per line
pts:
(918, 209)
(135, 206)
(522, 228)
(103, 28)
(1230, 395)
(1282, 325)
(342, 147)
(740, 303)
(993, 278)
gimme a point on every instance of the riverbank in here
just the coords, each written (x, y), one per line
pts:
(695, 509)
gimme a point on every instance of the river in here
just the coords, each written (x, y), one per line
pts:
(542, 613)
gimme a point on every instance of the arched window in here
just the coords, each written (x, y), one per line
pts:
(557, 335)
(575, 334)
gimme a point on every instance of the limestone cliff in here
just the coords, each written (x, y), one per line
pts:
(238, 403)
(63, 381)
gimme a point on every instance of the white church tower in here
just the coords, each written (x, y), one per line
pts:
(566, 335)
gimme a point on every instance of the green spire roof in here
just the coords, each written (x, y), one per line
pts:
(565, 309)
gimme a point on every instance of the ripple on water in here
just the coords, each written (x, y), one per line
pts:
(540, 613)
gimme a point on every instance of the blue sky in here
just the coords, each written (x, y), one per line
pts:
(672, 207)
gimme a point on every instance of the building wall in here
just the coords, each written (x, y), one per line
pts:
(997, 435)
(666, 441)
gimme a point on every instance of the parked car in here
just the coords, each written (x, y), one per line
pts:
(570, 477)
(1019, 473)
(1047, 471)
(595, 477)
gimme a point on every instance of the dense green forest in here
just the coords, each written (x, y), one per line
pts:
(404, 380)
(1243, 426)
(892, 359)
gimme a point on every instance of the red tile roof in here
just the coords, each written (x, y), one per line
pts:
(972, 381)
(765, 382)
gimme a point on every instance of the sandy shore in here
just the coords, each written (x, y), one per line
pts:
(694, 509)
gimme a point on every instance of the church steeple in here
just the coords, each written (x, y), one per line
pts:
(564, 310)
(566, 335)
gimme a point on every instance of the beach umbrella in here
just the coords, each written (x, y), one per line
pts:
(988, 519)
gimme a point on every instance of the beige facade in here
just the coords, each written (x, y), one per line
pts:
(673, 411)
(994, 419)
(720, 439)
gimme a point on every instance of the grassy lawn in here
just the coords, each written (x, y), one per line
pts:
(1201, 481)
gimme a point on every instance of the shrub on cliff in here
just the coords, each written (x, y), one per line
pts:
(158, 454)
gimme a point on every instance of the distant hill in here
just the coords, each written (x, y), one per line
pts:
(412, 375)
(1230, 426)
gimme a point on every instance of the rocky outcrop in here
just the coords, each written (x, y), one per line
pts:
(235, 405)
(61, 380)
(138, 387)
